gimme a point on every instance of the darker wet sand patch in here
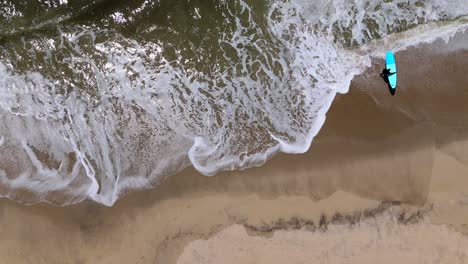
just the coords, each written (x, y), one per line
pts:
(403, 216)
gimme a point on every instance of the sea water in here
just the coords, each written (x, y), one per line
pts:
(98, 98)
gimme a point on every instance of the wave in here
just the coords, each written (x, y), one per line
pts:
(117, 96)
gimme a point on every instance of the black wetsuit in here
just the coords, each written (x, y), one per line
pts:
(385, 73)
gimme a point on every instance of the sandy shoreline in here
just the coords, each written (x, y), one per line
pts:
(372, 148)
(378, 239)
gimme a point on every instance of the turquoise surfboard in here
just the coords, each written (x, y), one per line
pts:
(391, 65)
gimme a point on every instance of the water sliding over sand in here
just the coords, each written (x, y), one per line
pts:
(99, 98)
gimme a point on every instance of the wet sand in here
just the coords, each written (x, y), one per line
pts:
(409, 151)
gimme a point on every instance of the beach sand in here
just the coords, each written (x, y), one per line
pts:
(396, 166)
(377, 240)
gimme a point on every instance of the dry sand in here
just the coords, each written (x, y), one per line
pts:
(411, 149)
(378, 240)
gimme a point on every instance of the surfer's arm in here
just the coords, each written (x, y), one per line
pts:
(391, 73)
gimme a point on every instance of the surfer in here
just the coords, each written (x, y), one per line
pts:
(386, 73)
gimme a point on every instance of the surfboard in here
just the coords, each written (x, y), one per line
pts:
(391, 65)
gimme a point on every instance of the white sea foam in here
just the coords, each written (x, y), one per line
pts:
(136, 111)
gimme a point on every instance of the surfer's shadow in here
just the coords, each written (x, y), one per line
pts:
(390, 89)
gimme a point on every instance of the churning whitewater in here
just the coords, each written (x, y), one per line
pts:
(98, 98)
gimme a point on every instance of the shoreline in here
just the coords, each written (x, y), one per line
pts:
(373, 148)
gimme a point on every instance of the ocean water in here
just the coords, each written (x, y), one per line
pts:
(98, 98)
